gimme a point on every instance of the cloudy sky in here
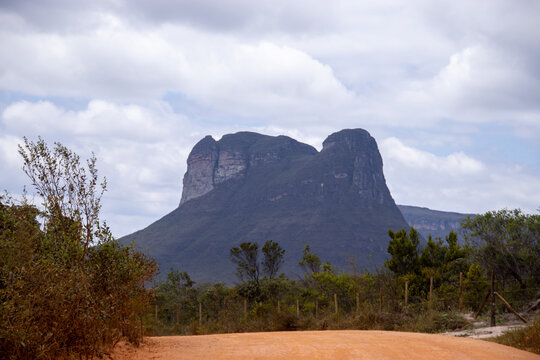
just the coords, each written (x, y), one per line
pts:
(449, 89)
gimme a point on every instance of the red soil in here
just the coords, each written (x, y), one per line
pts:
(348, 344)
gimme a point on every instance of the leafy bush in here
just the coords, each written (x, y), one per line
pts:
(67, 288)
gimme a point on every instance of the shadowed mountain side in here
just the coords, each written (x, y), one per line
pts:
(251, 187)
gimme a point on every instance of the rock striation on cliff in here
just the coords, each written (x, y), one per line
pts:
(253, 187)
(212, 162)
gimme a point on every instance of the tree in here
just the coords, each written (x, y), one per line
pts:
(443, 258)
(310, 262)
(71, 193)
(403, 249)
(433, 254)
(67, 288)
(507, 242)
(475, 286)
(246, 258)
(273, 258)
(176, 298)
(175, 286)
(443, 261)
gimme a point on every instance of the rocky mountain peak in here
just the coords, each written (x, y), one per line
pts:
(355, 152)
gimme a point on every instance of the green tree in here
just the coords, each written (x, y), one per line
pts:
(475, 286)
(175, 288)
(176, 298)
(403, 249)
(272, 258)
(246, 258)
(310, 262)
(507, 242)
(443, 261)
(433, 255)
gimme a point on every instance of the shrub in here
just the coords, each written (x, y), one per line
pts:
(67, 288)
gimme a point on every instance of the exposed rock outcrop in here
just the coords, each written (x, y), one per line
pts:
(213, 162)
(199, 179)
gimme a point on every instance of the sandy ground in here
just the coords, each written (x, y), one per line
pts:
(345, 344)
(485, 332)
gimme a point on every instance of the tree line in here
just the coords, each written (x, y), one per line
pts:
(433, 282)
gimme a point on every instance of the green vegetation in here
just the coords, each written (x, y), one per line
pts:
(507, 242)
(67, 288)
(326, 298)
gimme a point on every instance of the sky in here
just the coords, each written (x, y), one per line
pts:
(450, 90)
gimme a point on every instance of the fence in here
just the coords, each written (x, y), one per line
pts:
(380, 300)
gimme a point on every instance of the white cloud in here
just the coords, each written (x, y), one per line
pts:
(141, 150)
(99, 119)
(456, 182)
(455, 164)
(117, 61)
(477, 81)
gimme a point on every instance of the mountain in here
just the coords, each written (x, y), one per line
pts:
(432, 222)
(253, 187)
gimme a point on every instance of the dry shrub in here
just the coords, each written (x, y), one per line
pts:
(67, 288)
(55, 309)
(527, 338)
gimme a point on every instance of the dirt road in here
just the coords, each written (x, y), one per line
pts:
(347, 344)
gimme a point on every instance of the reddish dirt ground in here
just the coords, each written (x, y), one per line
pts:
(347, 344)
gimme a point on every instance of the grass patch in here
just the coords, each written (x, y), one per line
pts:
(527, 338)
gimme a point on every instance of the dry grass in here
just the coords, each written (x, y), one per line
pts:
(527, 338)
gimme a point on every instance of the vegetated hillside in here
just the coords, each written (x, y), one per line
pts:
(252, 187)
(432, 222)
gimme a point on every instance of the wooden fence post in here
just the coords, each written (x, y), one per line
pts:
(460, 291)
(493, 298)
(482, 305)
(245, 306)
(357, 303)
(335, 303)
(297, 308)
(156, 310)
(406, 295)
(431, 293)
(510, 308)
(278, 306)
(200, 314)
(380, 300)
(316, 308)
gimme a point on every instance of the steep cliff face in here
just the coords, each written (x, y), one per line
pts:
(199, 178)
(252, 187)
(213, 162)
(361, 154)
